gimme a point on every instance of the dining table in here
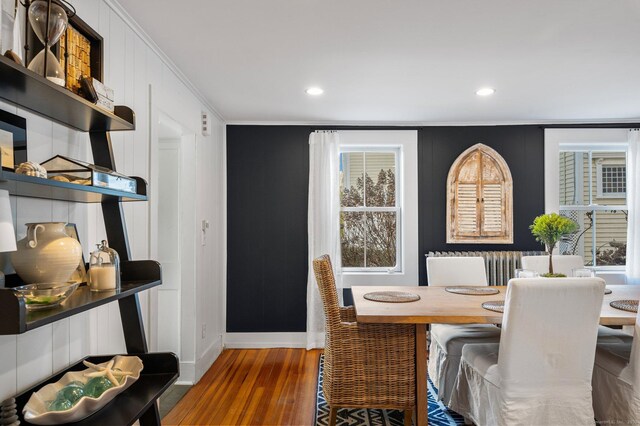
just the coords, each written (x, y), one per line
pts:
(439, 306)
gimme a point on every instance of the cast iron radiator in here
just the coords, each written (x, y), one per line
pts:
(500, 265)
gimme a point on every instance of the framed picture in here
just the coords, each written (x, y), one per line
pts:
(80, 274)
(13, 140)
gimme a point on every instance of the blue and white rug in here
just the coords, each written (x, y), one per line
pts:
(439, 415)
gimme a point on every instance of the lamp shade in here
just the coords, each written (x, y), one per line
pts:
(7, 233)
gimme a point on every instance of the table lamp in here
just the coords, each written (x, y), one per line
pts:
(7, 234)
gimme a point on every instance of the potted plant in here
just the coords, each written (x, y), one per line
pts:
(549, 229)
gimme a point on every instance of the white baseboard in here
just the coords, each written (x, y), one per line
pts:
(191, 372)
(206, 361)
(265, 340)
(187, 373)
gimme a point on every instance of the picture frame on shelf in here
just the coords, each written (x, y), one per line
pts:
(80, 274)
(13, 140)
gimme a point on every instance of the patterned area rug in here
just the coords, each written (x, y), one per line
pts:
(439, 415)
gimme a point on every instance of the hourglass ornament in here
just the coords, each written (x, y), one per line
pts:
(49, 21)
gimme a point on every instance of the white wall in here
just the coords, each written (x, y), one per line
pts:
(133, 65)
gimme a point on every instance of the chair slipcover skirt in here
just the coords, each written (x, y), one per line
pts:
(478, 396)
(445, 350)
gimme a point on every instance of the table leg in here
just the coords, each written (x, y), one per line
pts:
(422, 418)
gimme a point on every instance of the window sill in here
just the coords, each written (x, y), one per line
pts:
(383, 273)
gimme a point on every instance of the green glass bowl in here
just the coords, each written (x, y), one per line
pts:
(45, 295)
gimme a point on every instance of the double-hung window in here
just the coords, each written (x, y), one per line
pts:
(370, 209)
(592, 191)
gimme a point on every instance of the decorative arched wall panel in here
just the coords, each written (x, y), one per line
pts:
(480, 198)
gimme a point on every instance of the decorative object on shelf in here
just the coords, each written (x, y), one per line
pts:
(75, 57)
(629, 305)
(29, 168)
(83, 173)
(46, 254)
(95, 393)
(13, 139)
(94, 89)
(13, 56)
(7, 233)
(45, 295)
(80, 54)
(9, 412)
(480, 198)
(7, 19)
(472, 290)
(87, 90)
(48, 20)
(104, 269)
(80, 274)
(391, 296)
(114, 375)
(549, 230)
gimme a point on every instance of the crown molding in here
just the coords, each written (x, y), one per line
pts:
(128, 19)
(608, 121)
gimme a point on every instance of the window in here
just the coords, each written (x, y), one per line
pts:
(370, 217)
(479, 198)
(612, 180)
(592, 191)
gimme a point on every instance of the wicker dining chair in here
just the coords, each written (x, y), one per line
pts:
(365, 365)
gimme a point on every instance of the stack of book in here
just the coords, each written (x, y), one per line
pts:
(105, 95)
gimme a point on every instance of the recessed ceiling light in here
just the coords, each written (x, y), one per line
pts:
(314, 91)
(485, 91)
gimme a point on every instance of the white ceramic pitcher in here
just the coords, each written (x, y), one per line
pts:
(47, 254)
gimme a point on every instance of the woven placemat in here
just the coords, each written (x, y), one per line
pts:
(625, 305)
(494, 305)
(473, 291)
(391, 296)
(607, 291)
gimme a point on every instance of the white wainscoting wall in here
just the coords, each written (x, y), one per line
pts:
(134, 68)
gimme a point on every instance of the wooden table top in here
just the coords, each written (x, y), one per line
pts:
(439, 306)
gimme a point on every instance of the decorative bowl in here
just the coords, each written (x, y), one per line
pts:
(36, 410)
(45, 295)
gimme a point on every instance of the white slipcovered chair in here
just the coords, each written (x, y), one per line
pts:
(616, 381)
(540, 372)
(565, 264)
(447, 340)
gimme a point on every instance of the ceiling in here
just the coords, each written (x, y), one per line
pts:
(409, 61)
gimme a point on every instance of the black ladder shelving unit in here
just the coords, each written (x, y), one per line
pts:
(33, 92)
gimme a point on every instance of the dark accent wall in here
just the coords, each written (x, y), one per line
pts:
(267, 184)
(267, 174)
(522, 147)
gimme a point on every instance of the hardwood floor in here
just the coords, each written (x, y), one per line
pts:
(253, 387)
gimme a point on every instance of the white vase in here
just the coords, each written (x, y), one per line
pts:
(46, 254)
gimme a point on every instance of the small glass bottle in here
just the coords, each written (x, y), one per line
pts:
(104, 269)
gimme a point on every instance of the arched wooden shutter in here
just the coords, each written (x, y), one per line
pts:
(479, 198)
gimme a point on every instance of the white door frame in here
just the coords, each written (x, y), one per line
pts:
(158, 110)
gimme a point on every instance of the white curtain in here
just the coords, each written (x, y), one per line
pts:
(323, 224)
(633, 202)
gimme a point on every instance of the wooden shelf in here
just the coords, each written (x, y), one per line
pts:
(33, 92)
(35, 187)
(137, 276)
(160, 371)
